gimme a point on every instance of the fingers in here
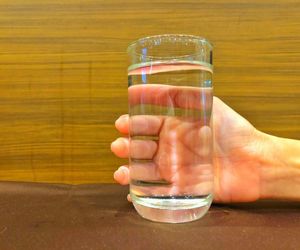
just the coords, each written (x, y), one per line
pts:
(122, 124)
(164, 95)
(147, 171)
(137, 172)
(139, 124)
(195, 180)
(145, 125)
(171, 96)
(138, 149)
(129, 198)
(120, 147)
(142, 149)
(121, 175)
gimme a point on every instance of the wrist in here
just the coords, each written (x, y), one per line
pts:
(279, 167)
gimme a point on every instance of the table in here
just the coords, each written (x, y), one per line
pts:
(98, 216)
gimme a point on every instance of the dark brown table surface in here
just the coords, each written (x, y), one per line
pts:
(47, 216)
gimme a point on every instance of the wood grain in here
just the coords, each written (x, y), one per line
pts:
(63, 74)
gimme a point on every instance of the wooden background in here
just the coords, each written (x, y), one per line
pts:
(63, 74)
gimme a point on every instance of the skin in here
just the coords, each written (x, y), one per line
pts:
(248, 165)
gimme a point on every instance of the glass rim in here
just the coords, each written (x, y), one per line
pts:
(196, 38)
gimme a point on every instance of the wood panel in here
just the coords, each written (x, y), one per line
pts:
(63, 74)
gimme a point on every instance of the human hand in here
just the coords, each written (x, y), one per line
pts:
(236, 171)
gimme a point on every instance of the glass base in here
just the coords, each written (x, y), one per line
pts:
(171, 210)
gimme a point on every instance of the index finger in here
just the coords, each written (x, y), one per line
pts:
(139, 124)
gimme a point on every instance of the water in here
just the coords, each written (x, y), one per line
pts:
(171, 169)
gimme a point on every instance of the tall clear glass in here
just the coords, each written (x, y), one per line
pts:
(170, 126)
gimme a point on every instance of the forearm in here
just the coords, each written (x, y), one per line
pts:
(279, 168)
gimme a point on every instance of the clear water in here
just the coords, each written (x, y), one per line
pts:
(171, 139)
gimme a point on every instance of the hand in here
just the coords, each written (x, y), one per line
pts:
(236, 142)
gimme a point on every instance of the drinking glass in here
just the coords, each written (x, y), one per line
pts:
(170, 127)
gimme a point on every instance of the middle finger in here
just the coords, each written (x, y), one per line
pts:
(137, 149)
